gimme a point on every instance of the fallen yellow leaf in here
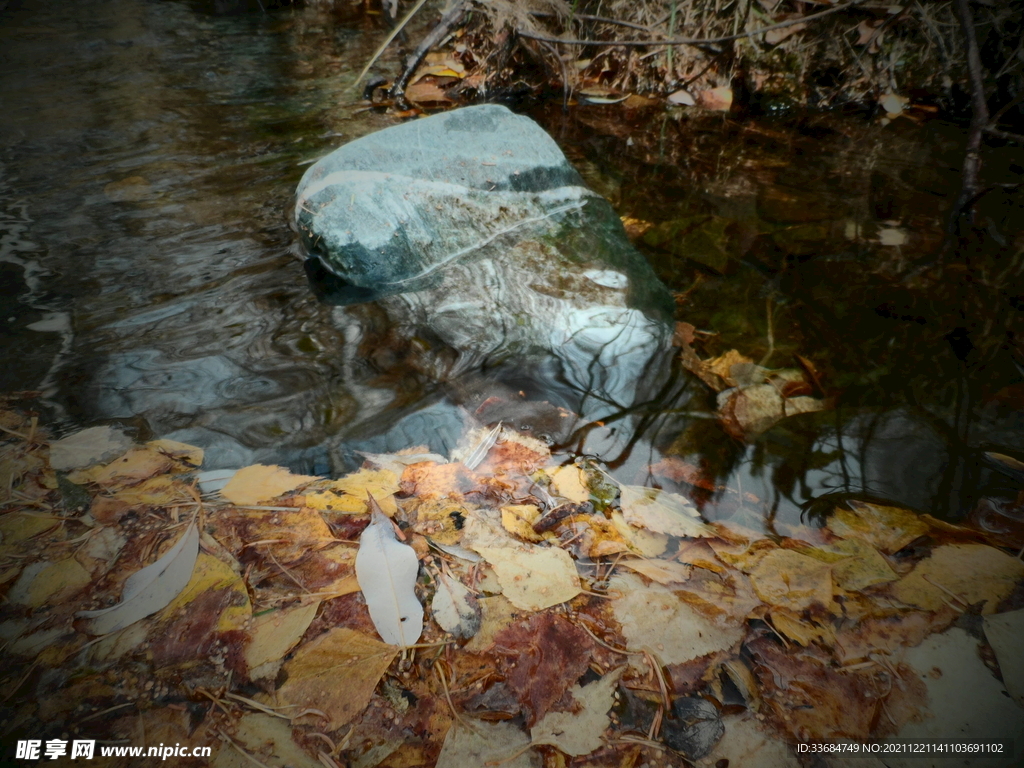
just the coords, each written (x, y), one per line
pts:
(655, 619)
(533, 578)
(133, 467)
(888, 529)
(347, 495)
(273, 634)
(968, 573)
(183, 452)
(42, 583)
(336, 673)
(19, 526)
(787, 579)
(801, 631)
(211, 574)
(251, 485)
(857, 565)
(518, 519)
(162, 490)
(570, 483)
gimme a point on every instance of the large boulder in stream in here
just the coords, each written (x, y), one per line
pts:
(473, 225)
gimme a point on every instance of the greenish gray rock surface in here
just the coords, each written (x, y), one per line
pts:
(473, 225)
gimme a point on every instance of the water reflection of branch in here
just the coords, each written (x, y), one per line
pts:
(649, 411)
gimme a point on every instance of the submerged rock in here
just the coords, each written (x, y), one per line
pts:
(472, 227)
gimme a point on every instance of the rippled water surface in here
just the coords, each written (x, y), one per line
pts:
(148, 156)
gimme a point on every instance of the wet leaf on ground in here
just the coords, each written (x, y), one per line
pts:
(787, 579)
(639, 540)
(696, 728)
(580, 732)
(133, 467)
(963, 574)
(286, 535)
(387, 571)
(569, 482)
(336, 673)
(265, 738)
(662, 512)
(455, 608)
(518, 519)
(805, 694)
(150, 589)
(655, 619)
(188, 455)
(347, 495)
(661, 571)
(213, 576)
(888, 529)
(482, 743)
(544, 655)
(856, 565)
(276, 632)
(49, 583)
(533, 578)
(87, 447)
(251, 485)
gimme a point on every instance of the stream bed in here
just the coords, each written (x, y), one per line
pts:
(149, 153)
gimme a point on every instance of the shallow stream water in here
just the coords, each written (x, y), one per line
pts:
(149, 151)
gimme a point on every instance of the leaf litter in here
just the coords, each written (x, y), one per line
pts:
(254, 599)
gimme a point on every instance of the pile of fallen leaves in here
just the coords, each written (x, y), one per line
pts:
(492, 607)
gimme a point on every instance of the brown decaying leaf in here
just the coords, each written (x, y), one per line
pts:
(542, 657)
(804, 694)
(427, 92)
(885, 634)
(336, 673)
(514, 454)
(286, 536)
(681, 471)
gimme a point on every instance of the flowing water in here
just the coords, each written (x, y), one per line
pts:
(149, 151)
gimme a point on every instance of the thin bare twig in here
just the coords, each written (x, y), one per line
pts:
(694, 41)
(447, 23)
